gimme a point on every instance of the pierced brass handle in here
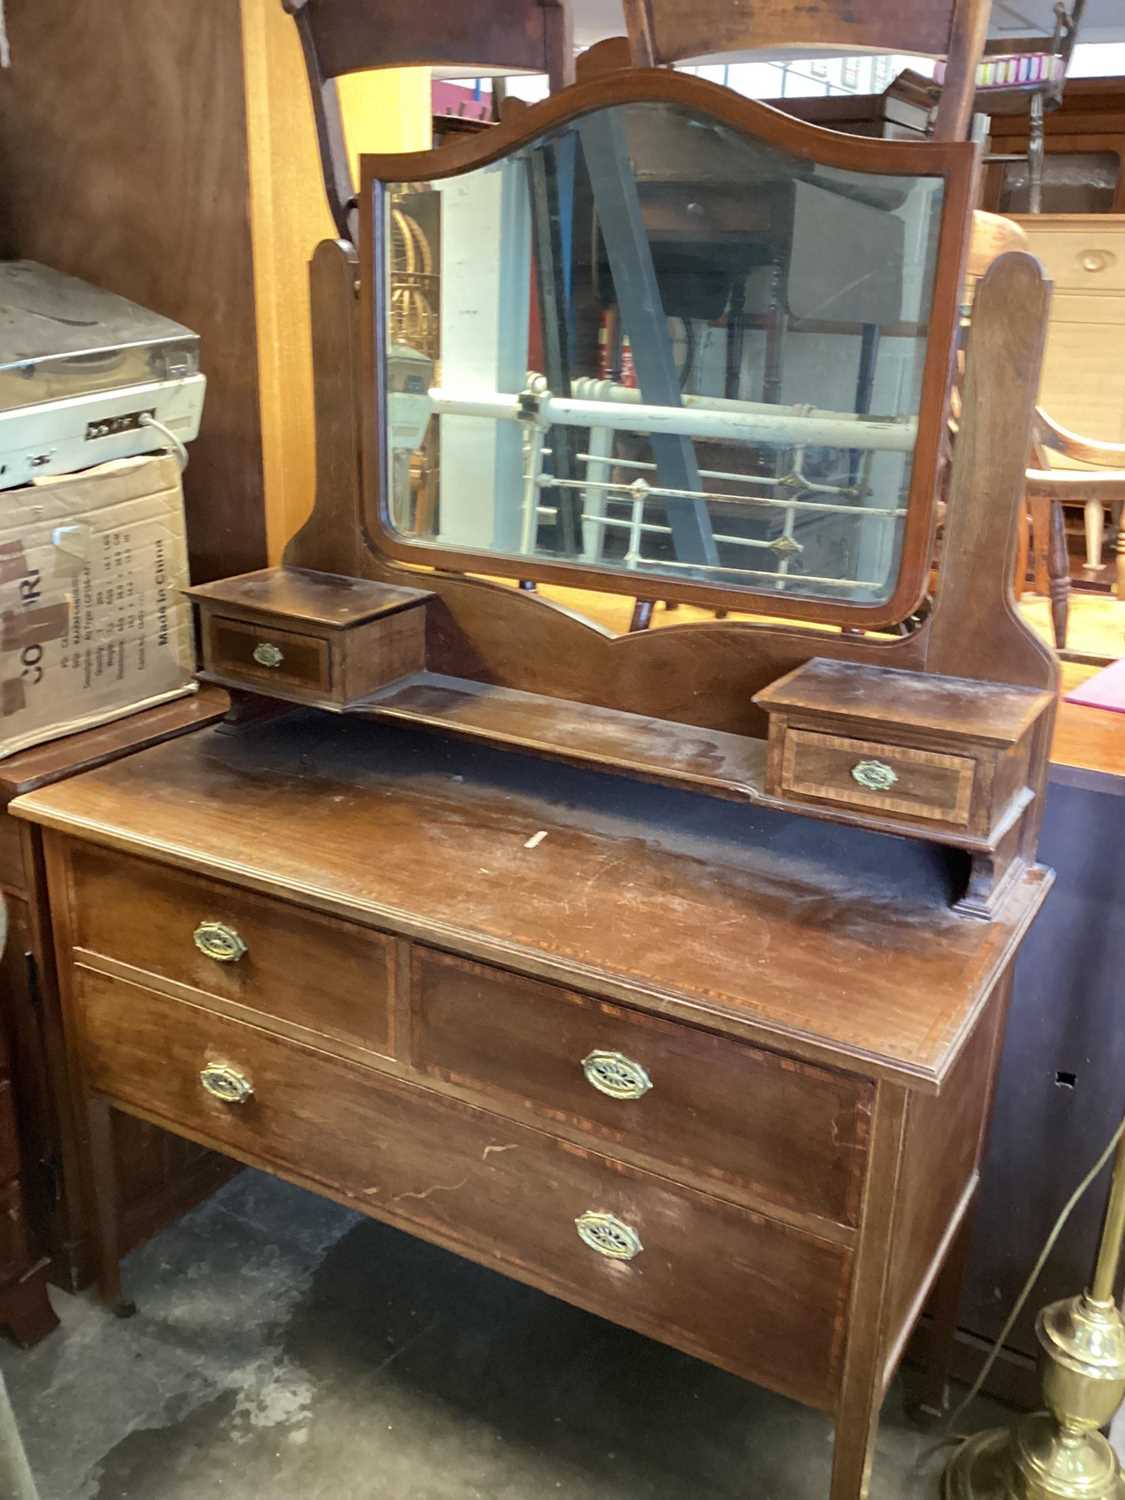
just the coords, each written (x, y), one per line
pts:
(608, 1235)
(874, 775)
(219, 942)
(266, 654)
(616, 1075)
(226, 1083)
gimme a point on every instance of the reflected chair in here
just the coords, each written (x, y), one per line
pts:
(667, 31)
(360, 36)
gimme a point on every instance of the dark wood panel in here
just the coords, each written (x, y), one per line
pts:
(744, 1291)
(159, 214)
(760, 1125)
(326, 976)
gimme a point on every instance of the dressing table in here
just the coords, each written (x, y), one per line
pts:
(666, 972)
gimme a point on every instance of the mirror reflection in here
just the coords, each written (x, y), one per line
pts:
(648, 343)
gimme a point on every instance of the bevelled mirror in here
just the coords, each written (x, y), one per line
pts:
(678, 346)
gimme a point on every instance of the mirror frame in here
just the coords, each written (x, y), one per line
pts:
(954, 162)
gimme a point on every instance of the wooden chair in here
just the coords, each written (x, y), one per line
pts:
(669, 31)
(1100, 481)
(358, 36)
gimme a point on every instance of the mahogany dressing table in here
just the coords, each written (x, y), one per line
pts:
(666, 972)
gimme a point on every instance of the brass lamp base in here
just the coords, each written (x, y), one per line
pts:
(1032, 1463)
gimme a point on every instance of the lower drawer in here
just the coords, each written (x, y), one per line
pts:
(755, 1296)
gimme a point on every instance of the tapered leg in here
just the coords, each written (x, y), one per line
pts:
(945, 1304)
(107, 1253)
(861, 1391)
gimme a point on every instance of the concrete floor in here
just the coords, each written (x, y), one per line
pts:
(286, 1349)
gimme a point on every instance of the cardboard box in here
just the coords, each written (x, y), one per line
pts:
(93, 624)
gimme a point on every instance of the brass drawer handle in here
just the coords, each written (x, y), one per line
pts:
(266, 654)
(874, 775)
(615, 1074)
(226, 1083)
(219, 942)
(609, 1236)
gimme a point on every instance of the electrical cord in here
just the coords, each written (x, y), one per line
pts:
(951, 1435)
(173, 441)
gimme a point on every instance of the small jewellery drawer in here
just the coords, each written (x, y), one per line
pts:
(311, 971)
(753, 1295)
(310, 637)
(237, 648)
(870, 774)
(753, 1125)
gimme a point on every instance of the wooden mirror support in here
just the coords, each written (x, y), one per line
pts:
(695, 705)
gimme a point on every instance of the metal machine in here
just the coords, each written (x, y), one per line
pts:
(86, 375)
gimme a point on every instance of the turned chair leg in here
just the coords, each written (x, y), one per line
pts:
(1058, 573)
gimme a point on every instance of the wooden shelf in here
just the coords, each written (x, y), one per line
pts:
(729, 765)
(685, 755)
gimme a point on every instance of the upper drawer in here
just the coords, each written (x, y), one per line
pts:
(761, 1127)
(312, 971)
(870, 774)
(236, 648)
(1087, 258)
(756, 1296)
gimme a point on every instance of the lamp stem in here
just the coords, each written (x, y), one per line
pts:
(1104, 1286)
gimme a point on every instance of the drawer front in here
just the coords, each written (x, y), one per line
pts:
(236, 648)
(755, 1296)
(892, 778)
(311, 971)
(760, 1127)
(1085, 259)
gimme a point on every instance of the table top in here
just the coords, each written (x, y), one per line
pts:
(1087, 739)
(836, 944)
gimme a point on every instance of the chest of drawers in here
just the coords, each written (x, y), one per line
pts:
(758, 1151)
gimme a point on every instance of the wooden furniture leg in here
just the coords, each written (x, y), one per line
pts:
(103, 1186)
(861, 1394)
(1023, 551)
(1040, 508)
(945, 1305)
(1058, 573)
(25, 1308)
(1095, 532)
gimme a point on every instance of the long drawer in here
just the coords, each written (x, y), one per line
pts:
(760, 1126)
(324, 975)
(748, 1293)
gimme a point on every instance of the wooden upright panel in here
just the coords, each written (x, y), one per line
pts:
(124, 161)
